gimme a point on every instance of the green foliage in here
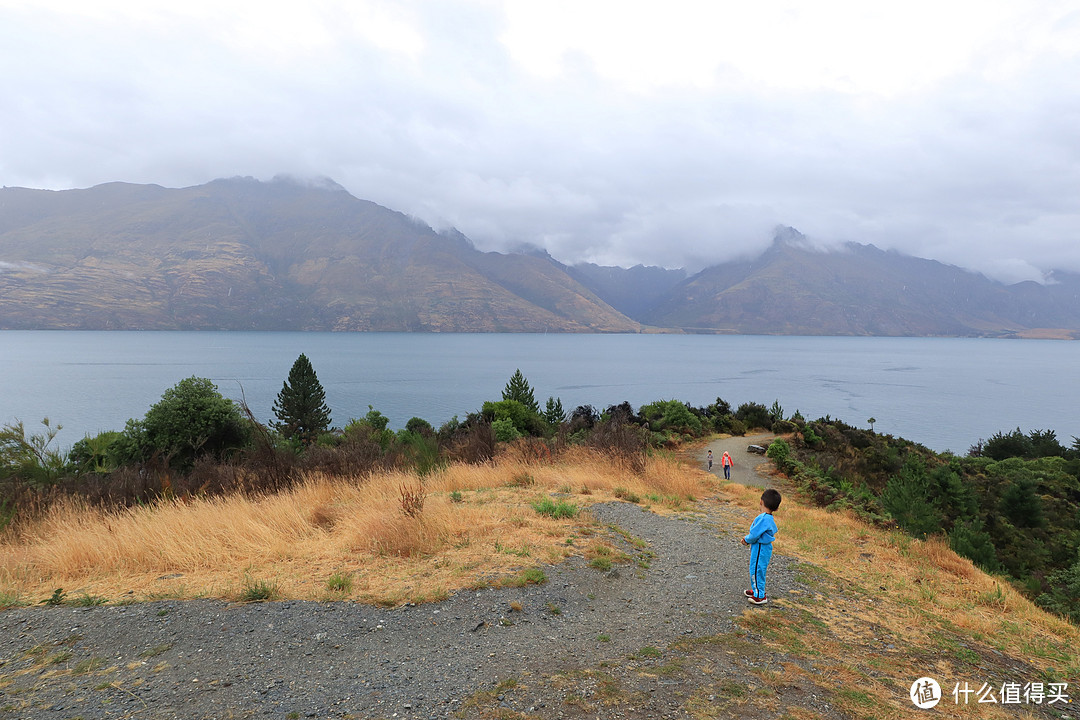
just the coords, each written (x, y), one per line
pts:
(91, 454)
(504, 430)
(523, 419)
(776, 412)
(1019, 515)
(907, 498)
(30, 457)
(1063, 597)
(519, 390)
(192, 419)
(779, 451)
(671, 416)
(754, 415)
(1021, 504)
(56, 599)
(340, 582)
(557, 510)
(419, 426)
(300, 407)
(1015, 444)
(554, 413)
(971, 540)
(376, 419)
(259, 590)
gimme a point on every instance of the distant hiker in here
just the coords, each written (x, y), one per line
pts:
(710, 461)
(760, 539)
(727, 462)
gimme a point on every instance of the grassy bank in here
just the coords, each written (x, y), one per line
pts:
(384, 538)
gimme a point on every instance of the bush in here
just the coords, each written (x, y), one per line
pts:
(671, 416)
(754, 415)
(907, 497)
(191, 419)
(91, 454)
(419, 426)
(504, 430)
(524, 420)
(779, 452)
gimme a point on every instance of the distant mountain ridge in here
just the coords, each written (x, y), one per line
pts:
(287, 255)
(242, 254)
(862, 290)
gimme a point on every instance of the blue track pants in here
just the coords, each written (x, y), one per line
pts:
(760, 554)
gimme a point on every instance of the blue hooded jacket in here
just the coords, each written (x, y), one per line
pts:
(763, 530)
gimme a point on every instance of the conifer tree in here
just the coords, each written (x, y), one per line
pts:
(519, 389)
(554, 413)
(301, 407)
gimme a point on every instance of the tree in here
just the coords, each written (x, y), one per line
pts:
(191, 419)
(872, 421)
(554, 413)
(301, 407)
(519, 390)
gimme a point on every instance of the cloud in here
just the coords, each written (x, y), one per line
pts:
(605, 132)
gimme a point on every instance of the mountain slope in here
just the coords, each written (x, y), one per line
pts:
(859, 290)
(242, 254)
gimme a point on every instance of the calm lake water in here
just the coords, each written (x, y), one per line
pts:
(943, 393)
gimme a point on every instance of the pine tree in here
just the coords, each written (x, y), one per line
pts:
(301, 407)
(519, 389)
(554, 413)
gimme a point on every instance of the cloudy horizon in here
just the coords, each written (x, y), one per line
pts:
(611, 132)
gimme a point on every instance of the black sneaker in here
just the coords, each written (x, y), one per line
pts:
(759, 600)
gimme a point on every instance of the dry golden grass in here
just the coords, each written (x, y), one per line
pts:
(942, 615)
(354, 532)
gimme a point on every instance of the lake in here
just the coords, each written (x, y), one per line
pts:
(945, 393)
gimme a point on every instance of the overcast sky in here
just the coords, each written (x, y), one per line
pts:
(675, 133)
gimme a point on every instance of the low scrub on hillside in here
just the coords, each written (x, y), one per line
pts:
(1012, 505)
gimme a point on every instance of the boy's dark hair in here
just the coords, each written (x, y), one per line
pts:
(771, 499)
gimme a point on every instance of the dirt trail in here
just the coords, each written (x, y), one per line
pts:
(745, 469)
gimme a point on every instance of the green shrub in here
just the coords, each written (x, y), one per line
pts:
(779, 451)
(30, 457)
(91, 454)
(524, 419)
(671, 416)
(192, 419)
(504, 430)
(754, 415)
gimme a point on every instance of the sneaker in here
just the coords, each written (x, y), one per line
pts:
(759, 600)
(748, 593)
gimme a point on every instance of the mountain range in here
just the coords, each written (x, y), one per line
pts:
(238, 254)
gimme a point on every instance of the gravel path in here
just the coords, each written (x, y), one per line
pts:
(212, 659)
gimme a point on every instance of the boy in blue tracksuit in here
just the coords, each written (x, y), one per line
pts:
(760, 539)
